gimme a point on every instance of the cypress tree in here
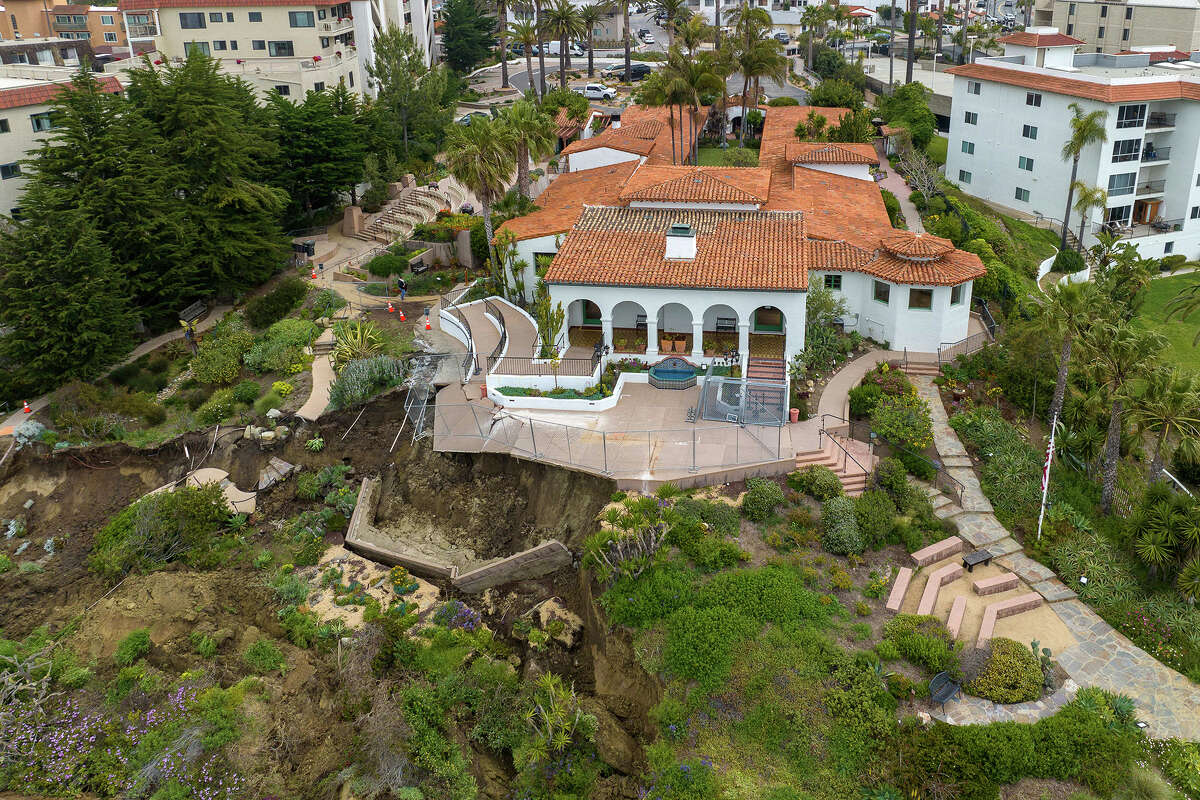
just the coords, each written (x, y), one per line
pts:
(320, 153)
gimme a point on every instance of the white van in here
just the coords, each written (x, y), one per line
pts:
(554, 48)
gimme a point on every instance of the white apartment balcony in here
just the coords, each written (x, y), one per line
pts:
(1160, 121)
(143, 31)
(1155, 155)
(1150, 188)
(336, 25)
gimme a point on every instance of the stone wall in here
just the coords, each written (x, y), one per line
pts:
(532, 563)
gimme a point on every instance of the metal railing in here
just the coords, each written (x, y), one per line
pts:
(833, 438)
(541, 367)
(948, 351)
(455, 316)
(1151, 187)
(142, 31)
(1139, 229)
(985, 315)
(1160, 119)
(491, 309)
(1158, 154)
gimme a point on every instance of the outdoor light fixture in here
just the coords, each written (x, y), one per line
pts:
(1083, 579)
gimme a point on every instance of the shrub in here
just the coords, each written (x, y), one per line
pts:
(700, 643)
(267, 402)
(387, 264)
(282, 388)
(876, 515)
(924, 641)
(281, 346)
(640, 602)
(1011, 471)
(273, 306)
(775, 102)
(361, 379)
(768, 594)
(1068, 261)
(722, 518)
(219, 356)
(132, 647)
(205, 645)
(263, 657)
(917, 465)
(326, 302)
(839, 527)
(1012, 674)
(761, 499)
(904, 420)
(246, 392)
(863, 399)
(887, 650)
(817, 480)
(218, 407)
(307, 486)
(169, 526)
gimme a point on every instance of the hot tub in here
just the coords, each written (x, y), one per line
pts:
(673, 373)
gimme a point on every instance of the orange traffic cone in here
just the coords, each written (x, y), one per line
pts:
(390, 309)
(26, 408)
(428, 327)
(314, 274)
(402, 317)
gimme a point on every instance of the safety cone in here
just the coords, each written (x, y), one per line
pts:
(314, 274)
(26, 408)
(402, 317)
(428, 327)
(390, 309)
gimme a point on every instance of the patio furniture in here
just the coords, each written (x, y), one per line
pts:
(726, 324)
(640, 322)
(978, 557)
(943, 688)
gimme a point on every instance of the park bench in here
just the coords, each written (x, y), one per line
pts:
(937, 551)
(937, 579)
(943, 688)
(1005, 608)
(903, 578)
(995, 584)
(971, 560)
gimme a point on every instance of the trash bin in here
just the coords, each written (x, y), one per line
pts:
(794, 414)
(310, 248)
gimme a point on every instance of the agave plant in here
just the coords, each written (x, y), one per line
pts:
(1188, 580)
(355, 340)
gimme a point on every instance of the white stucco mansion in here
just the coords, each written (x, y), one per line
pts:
(650, 258)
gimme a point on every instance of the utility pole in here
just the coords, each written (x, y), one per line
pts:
(892, 51)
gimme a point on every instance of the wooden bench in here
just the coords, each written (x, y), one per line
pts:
(903, 578)
(1005, 608)
(937, 551)
(956, 616)
(995, 584)
(938, 578)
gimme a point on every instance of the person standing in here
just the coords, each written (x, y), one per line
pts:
(403, 286)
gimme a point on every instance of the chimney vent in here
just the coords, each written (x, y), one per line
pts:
(681, 242)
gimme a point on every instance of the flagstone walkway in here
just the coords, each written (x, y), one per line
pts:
(1167, 701)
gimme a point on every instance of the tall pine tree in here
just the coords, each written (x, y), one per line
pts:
(320, 151)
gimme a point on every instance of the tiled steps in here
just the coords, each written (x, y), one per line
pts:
(854, 480)
(765, 369)
(930, 368)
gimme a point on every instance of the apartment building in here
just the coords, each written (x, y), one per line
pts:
(1111, 26)
(281, 45)
(49, 51)
(24, 123)
(1011, 114)
(33, 19)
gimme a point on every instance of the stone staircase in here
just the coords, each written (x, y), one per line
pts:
(398, 218)
(930, 368)
(765, 369)
(854, 479)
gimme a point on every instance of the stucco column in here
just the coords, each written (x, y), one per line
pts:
(698, 338)
(607, 328)
(652, 335)
(744, 340)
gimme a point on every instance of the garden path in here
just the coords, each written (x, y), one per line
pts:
(214, 316)
(318, 398)
(1102, 657)
(895, 184)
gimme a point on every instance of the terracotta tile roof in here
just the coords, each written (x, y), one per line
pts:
(838, 207)
(890, 130)
(138, 5)
(566, 126)
(563, 200)
(636, 137)
(916, 245)
(953, 268)
(645, 131)
(698, 184)
(615, 246)
(1158, 55)
(1029, 39)
(1091, 90)
(43, 94)
(779, 128)
(829, 153)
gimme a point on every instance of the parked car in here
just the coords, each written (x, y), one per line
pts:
(554, 48)
(597, 91)
(465, 119)
(647, 38)
(783, 36)
(617, 72)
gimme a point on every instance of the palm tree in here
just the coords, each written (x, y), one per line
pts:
(654, 92)
(1186, 301)
(694, 32)
(1067, 312)
(541, 46)
(1087, 199)
(1086, 129)
(912, 40)
(480, 157)
(502, 17)
(628, 45)
(533, 137)
(526, 32)
(562, 20)
(755, 53)
(673, 11)
(812, 17)
(1169, 407)
(687, 80)
(1120, 353)
(590, 16)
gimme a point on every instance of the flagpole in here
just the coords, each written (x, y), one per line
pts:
(1046, 475)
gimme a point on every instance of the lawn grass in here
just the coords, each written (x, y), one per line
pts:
(715, 156)
(1179, 333)
(936, 149)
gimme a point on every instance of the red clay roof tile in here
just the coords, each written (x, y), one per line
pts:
(1029, 39)
(830, 153)
(43, 94)
(698, 184)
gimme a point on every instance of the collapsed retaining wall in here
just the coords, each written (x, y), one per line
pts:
(363, 537)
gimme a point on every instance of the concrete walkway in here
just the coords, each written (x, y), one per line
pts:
(318, 398)
(37, 404)
(895, 184)
(1166, 701)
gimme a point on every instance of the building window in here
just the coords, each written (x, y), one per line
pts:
(319, 86)
(1025, 163)
(833, 282)
(218, 44)
(258, 44)
(233, 44)
(280, 49)
(9, 171)
(1119, 214)
(1033, 99)
(1029, 131)
(320, 13)
(1126, 150)
(110, 37)
(1071, 8)
(1103, 12)
(1169, 247)
(41, 122)
(956, 295)
(1022, 195)
(256, 16)
(189, 20)
(1133, 116)
(350, 75)
(324, 41)
(973, 87)
(1070, 28)
(920, 299)
(883, 292)
(301, 19)
(215, 16)
(1100, 30)
(1121, 183)
(968, 147)
(229, 16)
(196, 47)
(971, 118)
(1195, 212)
(964, 176)
(106, 19)
(1125, 35)
(1129, 13)
(283, 91)
(4, 126)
